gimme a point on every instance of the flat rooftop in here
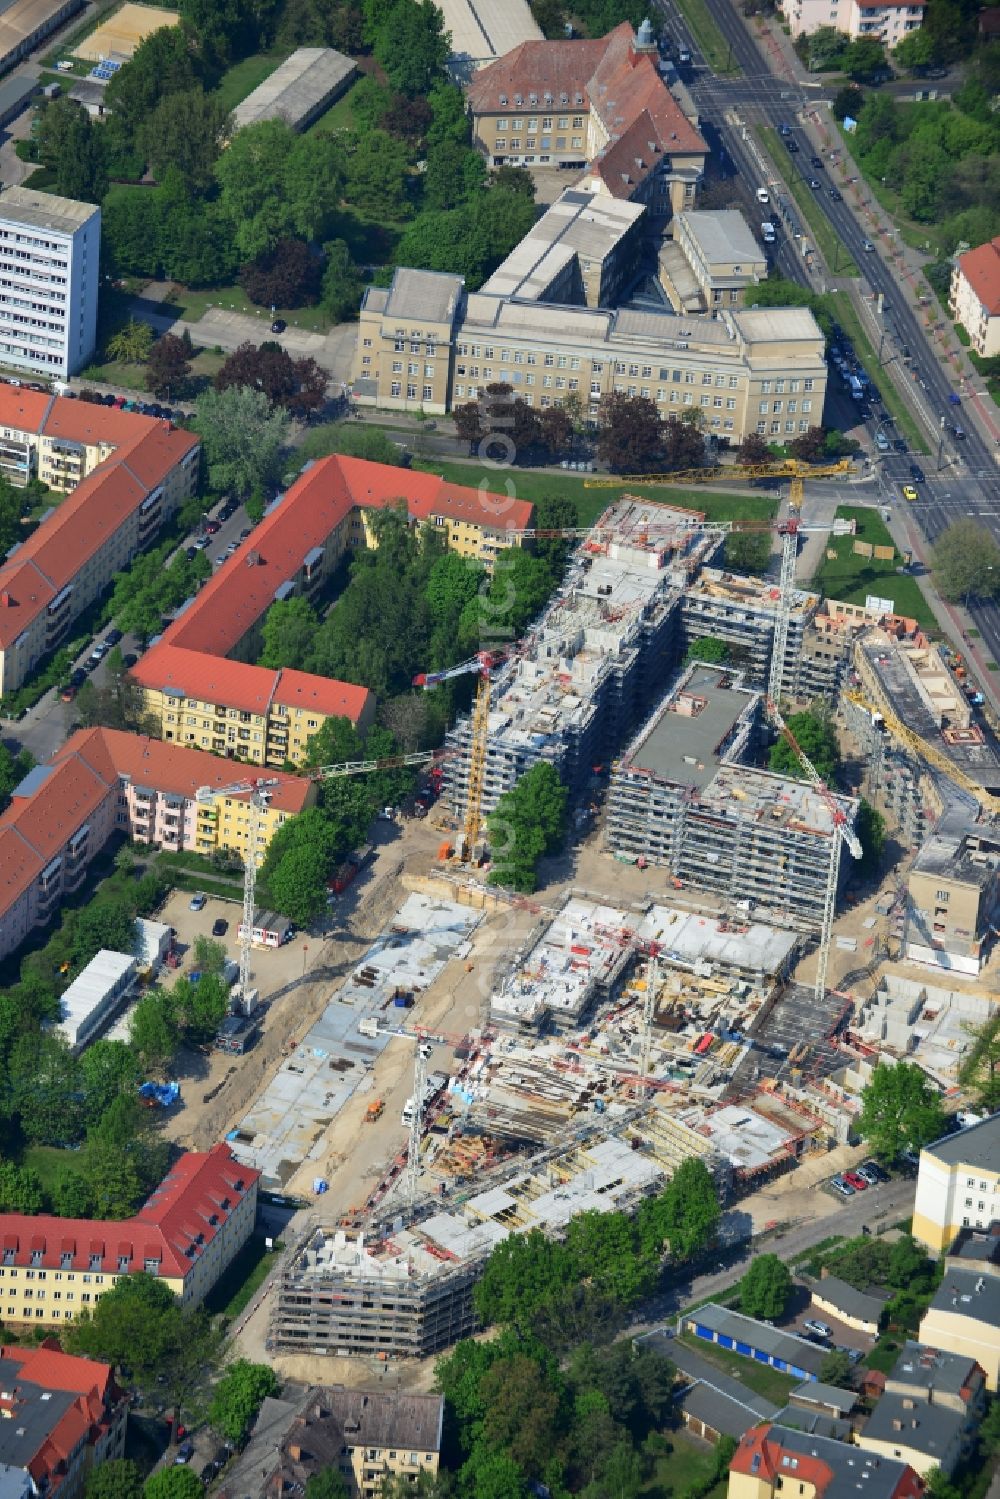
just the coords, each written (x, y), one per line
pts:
(745, 1138)
(977, 1146)
(315, 1081)
(479, 33)
(967, 854)
(579, 953)
(589, 225)
(688, 939)
(707, 717)
(595, 619)
(22, 205)
(721, 235)
(87, 990)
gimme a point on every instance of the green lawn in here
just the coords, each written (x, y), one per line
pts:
(48, 1161)
(760, 1378)
(927, 237)
(340, 116)
(241, 1279)
(828, 242)
(711, 43)
(689, 1463)
(850, 578)
(243, 77)
(192, 305)
(591, 502)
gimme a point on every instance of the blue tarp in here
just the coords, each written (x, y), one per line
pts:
(161, 1094)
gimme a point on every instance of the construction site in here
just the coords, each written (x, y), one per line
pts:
(706, 975)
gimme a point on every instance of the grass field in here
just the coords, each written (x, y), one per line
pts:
(851, 578)
(711, 43)
(760, 1378)
(243, 77)
(48, 1162)
(689, 1463)
(241, 1279)
(828, 242)
(591, 502)
(340, 116)
(193, 304)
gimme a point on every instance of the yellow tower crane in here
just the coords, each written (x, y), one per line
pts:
(929, 753)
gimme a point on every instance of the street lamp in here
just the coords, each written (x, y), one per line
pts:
(940, 446)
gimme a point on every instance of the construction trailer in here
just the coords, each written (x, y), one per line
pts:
(682, 798)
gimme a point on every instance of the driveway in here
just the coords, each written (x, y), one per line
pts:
(219, 327)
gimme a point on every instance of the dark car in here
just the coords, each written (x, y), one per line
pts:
(185, 1452)
(113, 637)
(836, 196)
(817, 162)
(917, 474)
(212, 527)
(191, 553)
(207, 1474)
(130, 659)
(791, 146)
(67, 693)
(899, 443)
(220, 926)
(77, 677)
(279, 325)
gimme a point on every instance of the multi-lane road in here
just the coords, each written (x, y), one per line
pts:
(966, 481)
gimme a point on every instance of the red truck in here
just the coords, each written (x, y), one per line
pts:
(349, 870)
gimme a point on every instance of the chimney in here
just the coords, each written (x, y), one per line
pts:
(6, 602)
(295, 1453)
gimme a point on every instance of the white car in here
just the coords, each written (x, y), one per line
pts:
(763, 196)
(767, 232)
(819, 1328)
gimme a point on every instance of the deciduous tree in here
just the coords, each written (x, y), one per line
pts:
(288, 275)
(184, 133)
(817, 739)
(630, 434)
(238, 1397)
(132, 343)
(118, 1478)
(765, 1288)
(709, 649)
(528, 823)
(243, 437)
(109, 1069)
(900, 1110)
(173, 1483)
(685, 1214)
(979, 1070)
(296, 385)
(965, 561)
(168, 366)
(413, 46)
(152, 1031)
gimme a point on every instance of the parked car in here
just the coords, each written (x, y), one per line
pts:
(67, 693)
(868, 1175)
(763, 196)
(839, 1185)
(113, 637)
(198, 901)
(819, 1328)
(279, 325)
(879, 1172)
(854, 1180)
(212, 527)
(77, 676)
(185, 1452)
(220, 926)
(130, 658)
(191, 553)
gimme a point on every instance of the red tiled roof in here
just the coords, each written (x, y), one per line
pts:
(146, 451)
(981, 268)
(173, 1226)
(190, 657)
(762, 1454)
(47, 1365)
(174, 768)
(620, 85)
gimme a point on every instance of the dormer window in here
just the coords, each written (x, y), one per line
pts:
(8, 1256)
(95, 1262)
(36, 1256)
(66, 1259)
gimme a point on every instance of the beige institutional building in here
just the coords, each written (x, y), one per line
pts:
(757, 370)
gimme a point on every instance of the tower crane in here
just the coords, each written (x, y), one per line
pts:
(426, 1041)
(843, 833)
(258, 790)
(924, 751)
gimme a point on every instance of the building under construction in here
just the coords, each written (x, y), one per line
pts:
(597, 658)
(682, 798)
(406, 1292)
(742, 611)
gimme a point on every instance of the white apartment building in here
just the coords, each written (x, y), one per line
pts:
(49, 261)
(958, 1185)
(886, 21)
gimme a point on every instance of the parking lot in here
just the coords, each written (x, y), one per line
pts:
(801, 1310)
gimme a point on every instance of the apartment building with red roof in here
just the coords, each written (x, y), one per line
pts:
(62, 1417)
(596, 104)
(974, 300)
(186, 1233)
(776, 1460)
(199, 680)
(124, 474)
(102, 782)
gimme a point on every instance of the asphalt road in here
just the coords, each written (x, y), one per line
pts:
(963, 477)
(878, 1208)
(44, 729)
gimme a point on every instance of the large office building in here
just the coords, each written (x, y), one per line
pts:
(104, 782)
(682, 797)
(958, 1185)
(711, 261)
(49, 275)
(63, 1417)
(186, 1233)
(127, 475)
(600, 105)
(424, 343)
(199, 679)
